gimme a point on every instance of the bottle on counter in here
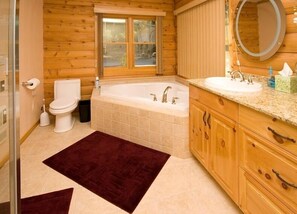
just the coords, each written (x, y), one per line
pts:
(271, 80)
(97, 84)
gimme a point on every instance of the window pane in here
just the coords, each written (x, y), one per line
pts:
(114, 30)
(114, 55)
(144, 30)
(145, 54)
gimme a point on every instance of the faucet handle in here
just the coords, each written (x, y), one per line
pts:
(154, 97)
(174, 100)
(250, 79)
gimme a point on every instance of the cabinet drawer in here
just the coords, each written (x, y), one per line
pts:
(276, 131)
(218, 103)
(267, 163)
(256, 199)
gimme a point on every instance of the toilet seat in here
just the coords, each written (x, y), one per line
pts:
(60, 104)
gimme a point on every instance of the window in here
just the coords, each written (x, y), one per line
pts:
(129, 45)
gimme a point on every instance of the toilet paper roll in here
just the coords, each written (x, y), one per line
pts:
(33, 83)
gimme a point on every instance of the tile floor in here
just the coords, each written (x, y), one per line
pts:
(182, 186)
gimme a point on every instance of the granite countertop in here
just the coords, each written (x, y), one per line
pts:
(277, 104)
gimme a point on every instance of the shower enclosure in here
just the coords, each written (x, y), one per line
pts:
(9, 109)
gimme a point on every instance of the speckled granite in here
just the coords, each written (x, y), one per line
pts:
(277, 104)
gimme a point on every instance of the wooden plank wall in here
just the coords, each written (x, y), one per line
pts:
(180, 3)
(201, 44)
(286, 53)
(69, 40)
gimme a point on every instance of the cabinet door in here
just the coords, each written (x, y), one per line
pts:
(199, 135)
(223, 153)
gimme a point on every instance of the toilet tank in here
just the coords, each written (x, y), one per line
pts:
(67, 88)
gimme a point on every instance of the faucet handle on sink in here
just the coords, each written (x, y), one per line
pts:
(154, 97)
(250, 80)
(174, 100)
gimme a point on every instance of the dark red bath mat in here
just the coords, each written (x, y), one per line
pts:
(115, 169)
(57, 202)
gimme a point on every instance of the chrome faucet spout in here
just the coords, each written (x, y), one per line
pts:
(164, 97)
(241, 75)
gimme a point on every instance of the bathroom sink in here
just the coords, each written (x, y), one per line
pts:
(225, 83)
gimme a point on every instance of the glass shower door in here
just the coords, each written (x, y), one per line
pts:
(9, 137)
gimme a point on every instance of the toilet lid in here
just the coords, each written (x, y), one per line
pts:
(62, 103)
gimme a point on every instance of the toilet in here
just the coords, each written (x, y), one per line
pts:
(66, 97)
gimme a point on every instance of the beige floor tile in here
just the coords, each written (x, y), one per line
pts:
(182, 186)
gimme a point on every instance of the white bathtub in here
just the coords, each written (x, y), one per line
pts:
(140, 94)
(129, 112)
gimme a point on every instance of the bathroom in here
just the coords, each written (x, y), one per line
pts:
(59, 40)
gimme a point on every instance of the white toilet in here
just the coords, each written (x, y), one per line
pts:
(66, 97)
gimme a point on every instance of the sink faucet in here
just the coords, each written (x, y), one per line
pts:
(164, 97)
(241, 75)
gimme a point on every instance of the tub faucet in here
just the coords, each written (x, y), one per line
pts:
(164, 97)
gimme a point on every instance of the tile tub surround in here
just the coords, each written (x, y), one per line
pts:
(280, 105)
(164, 130)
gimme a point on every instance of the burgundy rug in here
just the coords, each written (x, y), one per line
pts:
(57, 202)
(115, 169)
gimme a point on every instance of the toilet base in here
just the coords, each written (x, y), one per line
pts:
(64, 123)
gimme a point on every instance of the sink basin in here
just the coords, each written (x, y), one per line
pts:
(225, 83)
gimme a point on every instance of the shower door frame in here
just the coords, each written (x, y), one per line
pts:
(13, 112)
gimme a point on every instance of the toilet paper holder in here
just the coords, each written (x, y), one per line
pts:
(31, 84)
(27, 83)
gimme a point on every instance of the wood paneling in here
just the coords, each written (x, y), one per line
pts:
(201, 44)
(180, 3)
(286, 53)
(69, 39)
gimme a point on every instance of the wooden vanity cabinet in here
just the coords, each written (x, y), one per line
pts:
(269, 163)
(213, 137)
(252, 155)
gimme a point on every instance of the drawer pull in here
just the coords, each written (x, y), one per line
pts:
(279, 138)
(203, 118)
(208, 121)
(283, 180)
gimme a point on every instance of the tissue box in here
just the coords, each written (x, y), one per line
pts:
(286, 84)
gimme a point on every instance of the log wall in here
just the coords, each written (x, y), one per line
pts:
(286, 53)
(69, 40)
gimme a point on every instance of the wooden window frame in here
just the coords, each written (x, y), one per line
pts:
(131, 69)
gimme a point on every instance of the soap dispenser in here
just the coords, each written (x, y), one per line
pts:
(271, 80)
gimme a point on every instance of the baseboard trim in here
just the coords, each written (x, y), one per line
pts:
(26, 135)
(6, 157)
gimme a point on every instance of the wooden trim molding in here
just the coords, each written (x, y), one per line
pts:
(159, 46)
(188, 6)
(26, 135)
(99, 45)
(128, 11)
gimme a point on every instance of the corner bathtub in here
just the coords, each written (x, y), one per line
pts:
(129, 112)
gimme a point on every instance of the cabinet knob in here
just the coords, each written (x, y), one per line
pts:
(260, 171)
(223, 143)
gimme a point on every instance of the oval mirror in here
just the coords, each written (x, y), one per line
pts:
(260, 27)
